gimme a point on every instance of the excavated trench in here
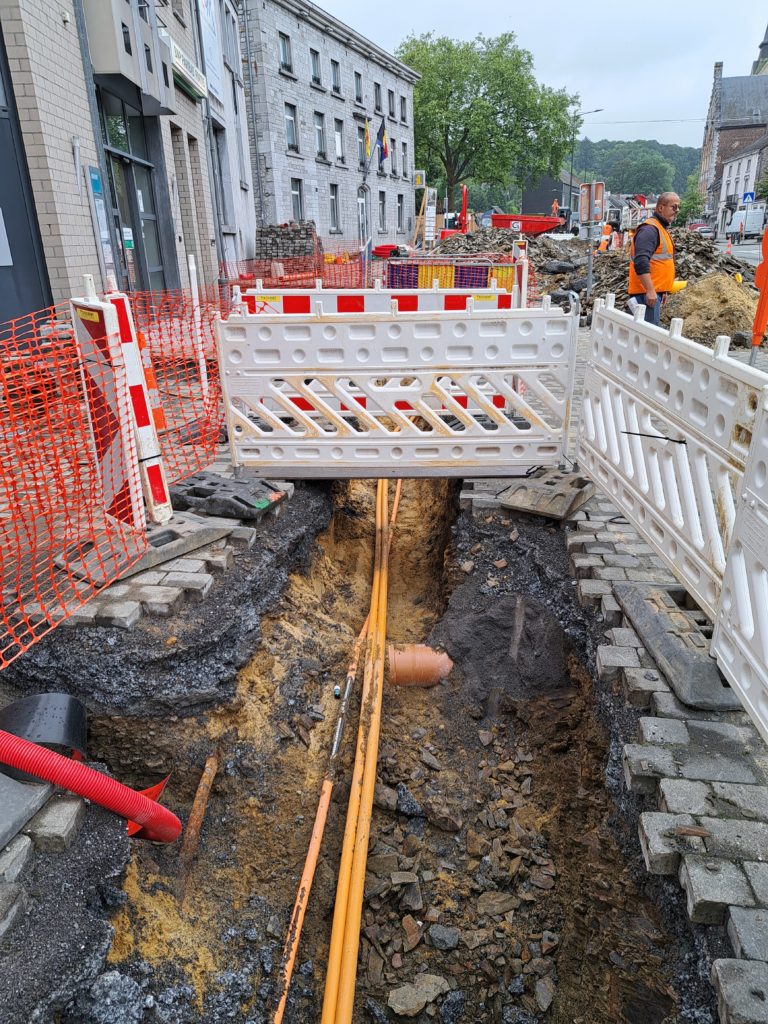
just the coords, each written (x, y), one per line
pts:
(499, 861)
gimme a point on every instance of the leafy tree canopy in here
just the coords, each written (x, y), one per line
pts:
(692, 200)
(648, 173)
(613, 163)
(480, 114)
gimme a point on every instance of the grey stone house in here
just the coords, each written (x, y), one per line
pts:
(312, 82)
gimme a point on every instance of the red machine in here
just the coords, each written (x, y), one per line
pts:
(526, 223)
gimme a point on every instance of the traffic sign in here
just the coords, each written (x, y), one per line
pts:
(749, 197)
(592, 202)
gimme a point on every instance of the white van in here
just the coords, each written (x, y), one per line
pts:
(753, 220)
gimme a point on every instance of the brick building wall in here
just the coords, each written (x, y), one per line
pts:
(274, 87)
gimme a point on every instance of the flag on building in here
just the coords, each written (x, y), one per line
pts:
(367, 139)
(383, 143)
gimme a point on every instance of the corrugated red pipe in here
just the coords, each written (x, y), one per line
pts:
(158, 823)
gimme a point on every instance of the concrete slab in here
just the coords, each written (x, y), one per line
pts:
(12, 902)
(742, 991)
(20, 801)
(663, 841)
(55, 826)
(758, 878)
(736, 839)
(682, 796)
(748, 932)
(16, 858)
(712, 886)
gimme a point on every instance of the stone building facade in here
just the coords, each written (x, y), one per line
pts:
(737, 117)
(312, 84)
(125, 122)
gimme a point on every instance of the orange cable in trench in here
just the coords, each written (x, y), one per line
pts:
(345, 877)
(377, 648)
(290, 950)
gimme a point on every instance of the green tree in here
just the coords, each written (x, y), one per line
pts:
(480, 114)
(649, 172)
(600, 157)
(761, 188)
(692, 201)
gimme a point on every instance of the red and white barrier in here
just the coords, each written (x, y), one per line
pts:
(105, 387)
(374, 300)
(152, 471)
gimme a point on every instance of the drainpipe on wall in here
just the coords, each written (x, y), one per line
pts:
(212, 161)
(261, 216)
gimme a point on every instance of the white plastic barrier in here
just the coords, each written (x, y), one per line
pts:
(740, 639)
(429, 381)
(375, 300)
(666, 427)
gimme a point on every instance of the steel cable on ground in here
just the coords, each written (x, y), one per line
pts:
(305, 884)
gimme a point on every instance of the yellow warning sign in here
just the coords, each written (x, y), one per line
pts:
(483, 298)
(267, 298)
(89, 314)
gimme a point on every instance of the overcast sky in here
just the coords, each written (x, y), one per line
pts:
(612, 57)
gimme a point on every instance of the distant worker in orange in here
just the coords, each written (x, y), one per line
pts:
(607, 236)
(555, 207)
(652, 258)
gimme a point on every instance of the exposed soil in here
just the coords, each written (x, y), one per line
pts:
(517, 883)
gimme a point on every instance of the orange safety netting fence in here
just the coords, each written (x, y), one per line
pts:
(333, 270)
(183, 380)
(70, 514)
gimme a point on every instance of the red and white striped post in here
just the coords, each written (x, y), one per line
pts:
(152, 472)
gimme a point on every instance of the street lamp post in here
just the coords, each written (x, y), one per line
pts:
(583, 113)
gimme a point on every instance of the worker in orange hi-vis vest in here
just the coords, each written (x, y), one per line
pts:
(652, 258)
(555, 207)
(607, 236)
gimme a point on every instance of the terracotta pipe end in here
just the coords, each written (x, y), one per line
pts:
(417, 665)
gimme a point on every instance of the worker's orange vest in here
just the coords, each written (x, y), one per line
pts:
(662, 263)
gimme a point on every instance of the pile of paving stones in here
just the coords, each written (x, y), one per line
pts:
(287, 241)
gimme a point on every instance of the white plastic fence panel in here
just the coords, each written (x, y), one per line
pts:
(666, 426)
(412, 394)
(740, 639)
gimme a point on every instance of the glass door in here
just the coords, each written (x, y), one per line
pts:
(125, 225)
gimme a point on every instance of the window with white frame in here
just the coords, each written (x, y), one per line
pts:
(338, 138)
(335, 76)
(393, 156)
(320, 149)
(297, 199)
(314, 62)
(291, 128)
(382, 210)
(334, 220)
(404, 159)
(377, 97)
(400, 212)
(391, 99)
(358, 87)
(361, 145)
(286, 61)
(403, 109)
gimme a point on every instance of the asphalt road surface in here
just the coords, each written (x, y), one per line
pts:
(747, 251)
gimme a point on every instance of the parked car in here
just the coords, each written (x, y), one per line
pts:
(705, 231)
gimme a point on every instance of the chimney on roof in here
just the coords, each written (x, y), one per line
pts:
(719, 69)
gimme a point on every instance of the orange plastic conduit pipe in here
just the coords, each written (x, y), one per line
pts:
(348, 973)
(331, 994)
(310, 864)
